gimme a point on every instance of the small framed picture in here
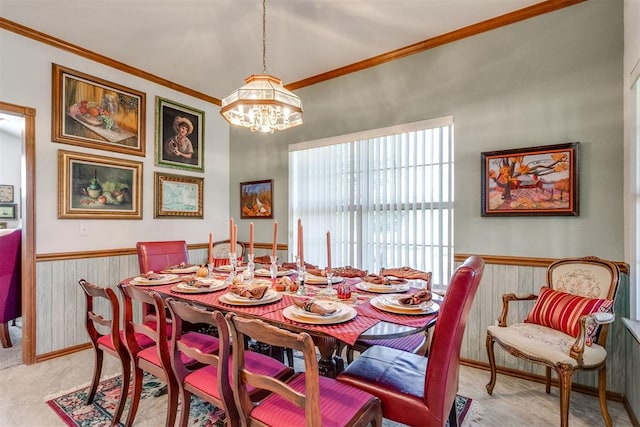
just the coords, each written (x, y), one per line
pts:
(178, 196)
(3, 225)
(6, 193)
(179, 136)
(8, 211)
(531, 181)
(256, 199)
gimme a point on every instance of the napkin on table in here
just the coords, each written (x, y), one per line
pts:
(252, 293)
(382, 280)
(417, 298)
(313, 307)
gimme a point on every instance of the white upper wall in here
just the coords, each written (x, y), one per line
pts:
(25, 79)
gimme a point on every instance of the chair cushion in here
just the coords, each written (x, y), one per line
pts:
(545, 343)
(205, 379)
(409, 343)
(339, 403)
(562, 311)
(206, 344)
(396, 377)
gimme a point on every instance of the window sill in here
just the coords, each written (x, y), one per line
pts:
(634, 327)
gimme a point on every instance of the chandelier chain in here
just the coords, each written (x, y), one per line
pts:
(264, 36)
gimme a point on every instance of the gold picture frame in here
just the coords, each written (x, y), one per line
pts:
(98, 187)
(178, 196)
(91, 112)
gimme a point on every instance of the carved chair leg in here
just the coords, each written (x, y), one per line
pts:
(547, 380)
(124, 392)
(5, 338)
(492, 363)
(453, 415)
(565, 375)
(172, 403)
(185, 408)
(135, 396)
(97, 371)
(602, 395)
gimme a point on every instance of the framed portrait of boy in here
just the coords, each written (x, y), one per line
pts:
(179, 136)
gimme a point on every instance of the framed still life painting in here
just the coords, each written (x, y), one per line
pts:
(256, 198)
(98, 187)
(531, 181)
(92, 112)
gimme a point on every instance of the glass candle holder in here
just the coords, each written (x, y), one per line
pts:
(250, 267)
(233, 263)
(273, 268)
(302, 270)
(329, 291)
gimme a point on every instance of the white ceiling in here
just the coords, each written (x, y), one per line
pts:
(211, 45)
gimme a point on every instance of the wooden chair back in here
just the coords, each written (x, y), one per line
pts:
(184, 312)
(242, 328)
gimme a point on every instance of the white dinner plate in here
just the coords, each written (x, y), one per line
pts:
(384, 303)
(182, 270)
(227, 268)
(234, 299)
(163, 279)
(214, 285)
(320, 280)
(293, 313)
(382, 289)
(263, 272)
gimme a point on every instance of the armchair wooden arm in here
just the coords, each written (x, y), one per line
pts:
(506, 298)
(577, 349)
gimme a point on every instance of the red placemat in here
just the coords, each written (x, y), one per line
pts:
(366, 309)
(348, 331)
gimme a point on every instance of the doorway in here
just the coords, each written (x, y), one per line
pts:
(26, 198)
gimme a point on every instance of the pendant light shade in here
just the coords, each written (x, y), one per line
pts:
(262, 104)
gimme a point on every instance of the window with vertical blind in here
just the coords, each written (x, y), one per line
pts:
(386, 196)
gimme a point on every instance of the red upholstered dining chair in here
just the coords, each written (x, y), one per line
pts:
(418, 390)
(10, 282)
(210, 379)
(148, 346)
(566, 330)
(306, 399)
(104, 331)
(156, 256)
(416, 343)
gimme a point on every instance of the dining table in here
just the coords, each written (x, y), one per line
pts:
(363, 316)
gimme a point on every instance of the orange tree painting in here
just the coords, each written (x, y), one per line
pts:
(256, 199)
(530, 181)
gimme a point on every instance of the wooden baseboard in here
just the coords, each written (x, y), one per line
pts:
(632, 416)
(63, 352)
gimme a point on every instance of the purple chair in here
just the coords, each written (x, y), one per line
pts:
(10, 283)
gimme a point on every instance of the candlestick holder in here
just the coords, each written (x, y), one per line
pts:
(273, 268)
(329, 291)
(233, 263)
(250, 275)
(302, 270)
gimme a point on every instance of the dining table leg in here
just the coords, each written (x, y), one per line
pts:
(330, 363)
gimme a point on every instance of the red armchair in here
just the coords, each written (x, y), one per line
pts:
(417, 390)
(10, 282)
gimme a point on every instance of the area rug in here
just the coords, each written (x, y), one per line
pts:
(71, 406)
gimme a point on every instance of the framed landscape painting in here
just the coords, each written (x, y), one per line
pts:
(179, 136)
(531, 181)
(256, 198)
(98, 187)
(178, 196)
(90, 112)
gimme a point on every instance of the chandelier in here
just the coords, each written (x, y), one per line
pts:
(262, 104)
